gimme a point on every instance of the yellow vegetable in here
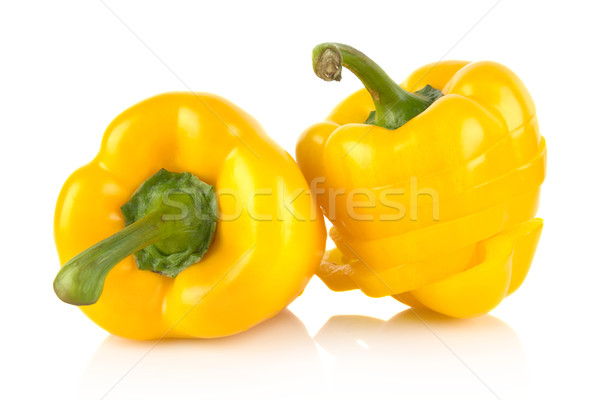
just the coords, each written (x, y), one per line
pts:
(432, 185)
(221, 243)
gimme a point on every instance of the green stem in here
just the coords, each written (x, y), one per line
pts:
(81, 279)
(394, 106)
(170, 223)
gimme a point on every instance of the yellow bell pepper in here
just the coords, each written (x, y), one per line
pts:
(432, 185)
(226, 240)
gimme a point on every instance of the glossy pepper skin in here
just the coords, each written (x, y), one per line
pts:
(448, 219)
(262, 256)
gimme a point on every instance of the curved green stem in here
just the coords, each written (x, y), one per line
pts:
(394, 106)
(81, 279)
(170, 223)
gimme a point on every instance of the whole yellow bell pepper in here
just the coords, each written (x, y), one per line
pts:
(432, 186)
(219, 217)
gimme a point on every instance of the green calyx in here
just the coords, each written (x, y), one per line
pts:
(170, 222)
(188, 208)
(394, 106)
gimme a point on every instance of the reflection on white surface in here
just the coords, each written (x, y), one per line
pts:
(277, 357)
(419, 356)
(422, 354)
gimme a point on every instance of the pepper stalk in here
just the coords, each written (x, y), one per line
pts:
(394, 106)
(170, 223)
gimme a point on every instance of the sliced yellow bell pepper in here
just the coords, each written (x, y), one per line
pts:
(416, 178)
(221, 243)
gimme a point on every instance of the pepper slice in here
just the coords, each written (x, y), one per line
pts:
(501, 265)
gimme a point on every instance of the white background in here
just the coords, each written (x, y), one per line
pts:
(68, 67)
